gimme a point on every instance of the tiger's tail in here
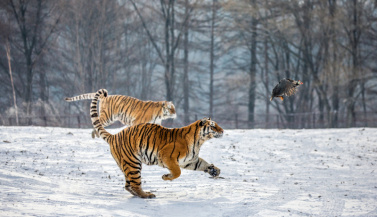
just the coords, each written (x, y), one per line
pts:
(102, 93)
(80, 97)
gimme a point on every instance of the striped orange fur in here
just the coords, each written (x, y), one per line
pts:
(129, 110)
(152, 144)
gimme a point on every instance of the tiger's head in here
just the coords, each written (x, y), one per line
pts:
(210, 129)
(168, 110)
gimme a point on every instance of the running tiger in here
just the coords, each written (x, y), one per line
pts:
(128, 110)
(152, 144)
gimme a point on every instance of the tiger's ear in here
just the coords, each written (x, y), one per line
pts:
(203, 121)
(169, 104)
(163, 103)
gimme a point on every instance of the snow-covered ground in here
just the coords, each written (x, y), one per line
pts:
(59, 172)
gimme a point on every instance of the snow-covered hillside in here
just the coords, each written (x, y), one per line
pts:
(59, 172)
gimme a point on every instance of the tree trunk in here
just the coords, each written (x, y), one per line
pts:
(7, 48)
(212, 56)
(186, 82)
(351, 115)
(29, 87)
(267, 119)
(334, 68)
(43, 90)
(252, 72)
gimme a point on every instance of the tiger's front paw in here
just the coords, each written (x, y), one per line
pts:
(213, 171)
(167, 177)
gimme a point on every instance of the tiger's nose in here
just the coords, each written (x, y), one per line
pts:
(221, 132)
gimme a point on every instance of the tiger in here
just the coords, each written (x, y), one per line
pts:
(153, 144)
(129, 110)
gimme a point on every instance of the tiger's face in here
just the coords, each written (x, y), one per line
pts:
(168, 110)
(210, 129)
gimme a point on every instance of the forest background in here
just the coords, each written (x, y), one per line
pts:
(211, 58)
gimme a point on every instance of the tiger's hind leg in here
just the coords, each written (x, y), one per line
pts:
(133, 182)
(128, 187)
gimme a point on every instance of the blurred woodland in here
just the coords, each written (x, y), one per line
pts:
(212, 58)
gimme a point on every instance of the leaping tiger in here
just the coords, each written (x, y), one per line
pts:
(129, 111)
(152, 144)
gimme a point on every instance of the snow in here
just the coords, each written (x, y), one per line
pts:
(49, 171)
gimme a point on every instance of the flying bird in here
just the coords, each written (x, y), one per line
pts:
(286, 87)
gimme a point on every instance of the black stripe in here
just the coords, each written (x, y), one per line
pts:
(179, 153)
(172, 150)
(134, 172)
(94, 115)
(135, 167)
(200, 163)
(137, 177)
(196, 165)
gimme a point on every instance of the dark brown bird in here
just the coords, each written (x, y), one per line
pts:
(286, 87)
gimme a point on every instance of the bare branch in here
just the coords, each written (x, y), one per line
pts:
(148, 32)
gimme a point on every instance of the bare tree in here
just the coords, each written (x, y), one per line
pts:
(36, 26)
(92, 38)
(11, 80)
(246, 23)
(186, 80)
(171, 41)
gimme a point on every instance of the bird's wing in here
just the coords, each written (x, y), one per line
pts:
(289, 88)
(277, 91)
